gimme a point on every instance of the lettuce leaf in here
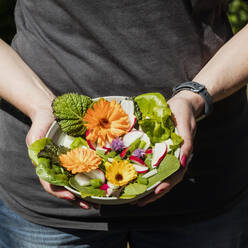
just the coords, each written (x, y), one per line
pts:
(52, 173)
(167, 167)
(35, 148)
(69, 110)
(155, 122)
(52, 152)
(153, 106)
(134, 189)
(45, 169)
(177, 140)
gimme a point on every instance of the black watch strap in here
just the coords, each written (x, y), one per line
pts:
(199, 89)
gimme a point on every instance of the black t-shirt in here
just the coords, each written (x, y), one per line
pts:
(125, 47)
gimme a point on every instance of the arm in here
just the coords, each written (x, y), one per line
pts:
(20, 86)
(224, 74)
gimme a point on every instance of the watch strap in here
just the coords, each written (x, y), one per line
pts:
(199, 89)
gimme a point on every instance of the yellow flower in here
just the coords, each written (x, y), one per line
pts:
(80, 160)
(120, 173)
(106, 121)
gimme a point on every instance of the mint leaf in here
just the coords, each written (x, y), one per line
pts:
(167, 167)
(134, 189)
(69, 110)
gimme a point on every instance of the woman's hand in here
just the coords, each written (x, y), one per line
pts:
(41, 121)
(185, 106)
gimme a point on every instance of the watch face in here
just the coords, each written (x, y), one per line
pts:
(197, 87)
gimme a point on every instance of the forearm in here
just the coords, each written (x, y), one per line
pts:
(19, 85)
(225, 73)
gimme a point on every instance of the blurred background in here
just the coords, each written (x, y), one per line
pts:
(238, 16)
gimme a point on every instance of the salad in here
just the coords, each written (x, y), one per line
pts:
(111, 149)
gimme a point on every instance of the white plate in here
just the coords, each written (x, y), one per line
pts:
(56, 134)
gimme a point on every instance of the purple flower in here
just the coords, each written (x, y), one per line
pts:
(117, 145)
(140, 153)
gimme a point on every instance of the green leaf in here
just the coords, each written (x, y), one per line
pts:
(69, 110)
(176, 139)
(52, 173)
(91, 191)
(134, 189)
(96, 183)
(86, 190)
(127, 196)
(79, 142)
(35, 148)
(142, 180)
(52, 152)
(148, 161)
(155, 122)
(167, 167)
(153, 106)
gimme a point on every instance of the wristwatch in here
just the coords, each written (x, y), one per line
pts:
(199, 89)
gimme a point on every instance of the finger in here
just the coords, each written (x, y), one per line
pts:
(36, 132)
(57, 191)
(62, 193)
(152, 197)
(83, 204)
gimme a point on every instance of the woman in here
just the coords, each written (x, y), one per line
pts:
(101, 48)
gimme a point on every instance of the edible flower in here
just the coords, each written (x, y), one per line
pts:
(80, 160)
(140, 153)
(106, 121)
(121, 172)
(117, 145)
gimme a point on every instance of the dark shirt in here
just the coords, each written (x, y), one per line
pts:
(126, 47)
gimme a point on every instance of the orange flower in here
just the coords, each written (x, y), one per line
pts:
(106, 121)
(80, 160)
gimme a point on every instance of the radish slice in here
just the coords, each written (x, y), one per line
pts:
(168, 142)
(111, 160)
(147, 140)
(137, 160)
(112, 186)
(82, 179)
(96, 174)
(159, 153)
(138, 164)
(149, 151)
(140, 168)
(128, 107)
(124, 152)
(104, 186)
(91, 145)
(150, 173)
(129, 138)
(177, 153)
